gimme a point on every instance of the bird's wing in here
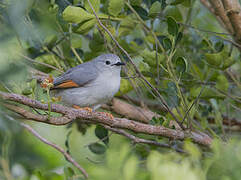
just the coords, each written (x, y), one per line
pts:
(76, 77)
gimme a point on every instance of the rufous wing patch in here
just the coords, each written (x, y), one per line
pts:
(67, 84)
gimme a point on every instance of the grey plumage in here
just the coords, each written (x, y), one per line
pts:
(98, 81)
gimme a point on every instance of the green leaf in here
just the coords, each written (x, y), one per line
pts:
(167, 43)
(97, 44)
(102, 134)
(33, 84)
(135, 2)
(227, 63)
(222, 83)
(219, 46)
(155, 9)
(178, 38)
(126, 26)
(76, 40)
(73, 14)
(138, 60)
(125, 87)
(174, 12)
(141, 12)
(69, 172)
(85, 27)
(150, 57)
(214, 59)
(95, 4)
(175, 2)
(27, 91)
(130, 168)
(181, 64)
(172, 26)
(115, 7)
(97, 148)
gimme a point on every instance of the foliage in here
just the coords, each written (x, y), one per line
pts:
(196, 72)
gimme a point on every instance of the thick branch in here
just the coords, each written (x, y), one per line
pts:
(131, 111)
(97, 117)
(220, 12)
(233, 12)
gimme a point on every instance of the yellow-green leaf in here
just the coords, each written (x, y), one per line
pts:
(214, 59)
(222, 83)
(85, 26)
(95, 4)
(155, 9)
(73, 14)
(115, 7)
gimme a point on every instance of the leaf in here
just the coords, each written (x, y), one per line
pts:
(227, 63)
(33, 84)
(76, 40)
(76, 15)
(125, 87)
(214, 59)
(176, 2)
(155, 9)
(130, 168)
(181, 64)
(69, 172)
(27, 91)
(174, 12)
(126, 26)
(97, 44)
(167, 44)
(84, 27)
(95, 4)
(150, 57)
(135, 2)
(178, 38)
(115, 7)
(102, 134)
(141, 12)
(97, 148)
(222, 83)
(219, 46)
(138, 60)
(172, 26)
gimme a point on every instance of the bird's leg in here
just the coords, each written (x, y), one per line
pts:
(84, 108)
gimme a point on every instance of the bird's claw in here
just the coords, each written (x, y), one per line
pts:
(109, 115)
(88, 109)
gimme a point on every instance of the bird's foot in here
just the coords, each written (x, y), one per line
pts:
(88, 109)
(109, 115)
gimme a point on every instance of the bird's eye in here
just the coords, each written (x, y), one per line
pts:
(107, 62)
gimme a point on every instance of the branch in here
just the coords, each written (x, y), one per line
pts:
(233, 12)
(71, 114)
(131, 111)
(220, 12)
(137, 140)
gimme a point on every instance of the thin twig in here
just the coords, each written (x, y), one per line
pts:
(44, 64)
(58, 148)
(138, 140)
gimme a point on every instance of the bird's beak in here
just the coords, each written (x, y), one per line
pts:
(119, 64)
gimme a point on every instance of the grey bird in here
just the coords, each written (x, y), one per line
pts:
(90, 84)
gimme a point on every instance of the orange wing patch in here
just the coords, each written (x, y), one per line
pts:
(67, 84)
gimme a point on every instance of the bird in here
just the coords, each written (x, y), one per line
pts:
(90, 84)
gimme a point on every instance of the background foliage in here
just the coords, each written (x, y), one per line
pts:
(165, 38)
